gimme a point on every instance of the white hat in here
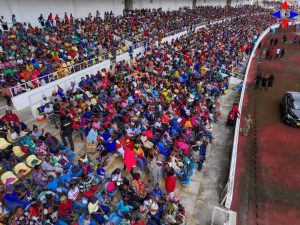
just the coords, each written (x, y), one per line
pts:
(32, 161)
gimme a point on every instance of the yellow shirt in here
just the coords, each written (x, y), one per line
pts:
(93, 207)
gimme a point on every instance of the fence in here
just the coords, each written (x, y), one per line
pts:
(40, 81)
(34, 96)
(223, 217)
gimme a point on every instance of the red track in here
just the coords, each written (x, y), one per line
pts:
(267, 182)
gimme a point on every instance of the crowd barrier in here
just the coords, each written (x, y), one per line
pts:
(31, 98)
(228, 196)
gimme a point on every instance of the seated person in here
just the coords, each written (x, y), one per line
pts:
(10, 117)
(87, 185)
(96, 211)
(54, 185)
(85, 219)
(40, 176)
(52, 142)
(8, 158)
(37, 133)
(12, 200)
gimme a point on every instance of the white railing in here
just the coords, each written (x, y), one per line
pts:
(229, 194)
(40, 81)
(223, 217)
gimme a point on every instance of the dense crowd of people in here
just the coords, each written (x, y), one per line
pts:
(150, 119)
(28, 54)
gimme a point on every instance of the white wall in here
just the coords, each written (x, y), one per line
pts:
(164, 4)
(29, 10)
(33, 97)
(221, 3)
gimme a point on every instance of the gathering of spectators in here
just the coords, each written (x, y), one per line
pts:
(153, 117)
(65, 45)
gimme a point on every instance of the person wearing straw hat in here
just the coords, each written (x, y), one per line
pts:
(8, 177)
(33, 161)
(21, 169)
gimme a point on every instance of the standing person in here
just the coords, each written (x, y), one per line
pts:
(268, 54)
(97, 14)
(6, 93)
(265, 80)
(284, 38)
(258, 80)
(170, 183)
(66, 131)
(277, 53)
(272, 53)
(3, 23)
(282, 52)
(275, 41)
(13, 19)
(231, 119)
(247, 125)
(271, 81)
(235, 109)
(154, 166)
(271, 41)
(41, 20)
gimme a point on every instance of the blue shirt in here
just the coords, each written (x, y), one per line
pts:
(66, 177)
(53, 185)
(92, 136)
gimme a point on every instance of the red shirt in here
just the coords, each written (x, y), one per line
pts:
(170, 183)
(10, 117)
(65, 209)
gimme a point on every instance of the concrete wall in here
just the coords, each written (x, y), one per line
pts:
(29, 10)
(164, 4)
(222, 3)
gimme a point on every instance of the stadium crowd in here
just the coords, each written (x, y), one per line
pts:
(30, 53)
(153, 118)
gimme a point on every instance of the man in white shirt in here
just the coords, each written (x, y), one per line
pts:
(74, 196)
(49, 112)
(277, 53)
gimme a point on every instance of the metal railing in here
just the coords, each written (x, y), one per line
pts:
(63, 72)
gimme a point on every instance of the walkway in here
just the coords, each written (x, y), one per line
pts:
(267, 183)
(203, 193)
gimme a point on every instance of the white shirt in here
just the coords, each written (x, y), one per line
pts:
(73, 194)
(48, 110)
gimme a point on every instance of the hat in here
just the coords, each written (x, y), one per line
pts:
(111, 186)
(23, 133)
(4, 143)
(21, 169)
(32, 161)
(18, 151)
(8, 178)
